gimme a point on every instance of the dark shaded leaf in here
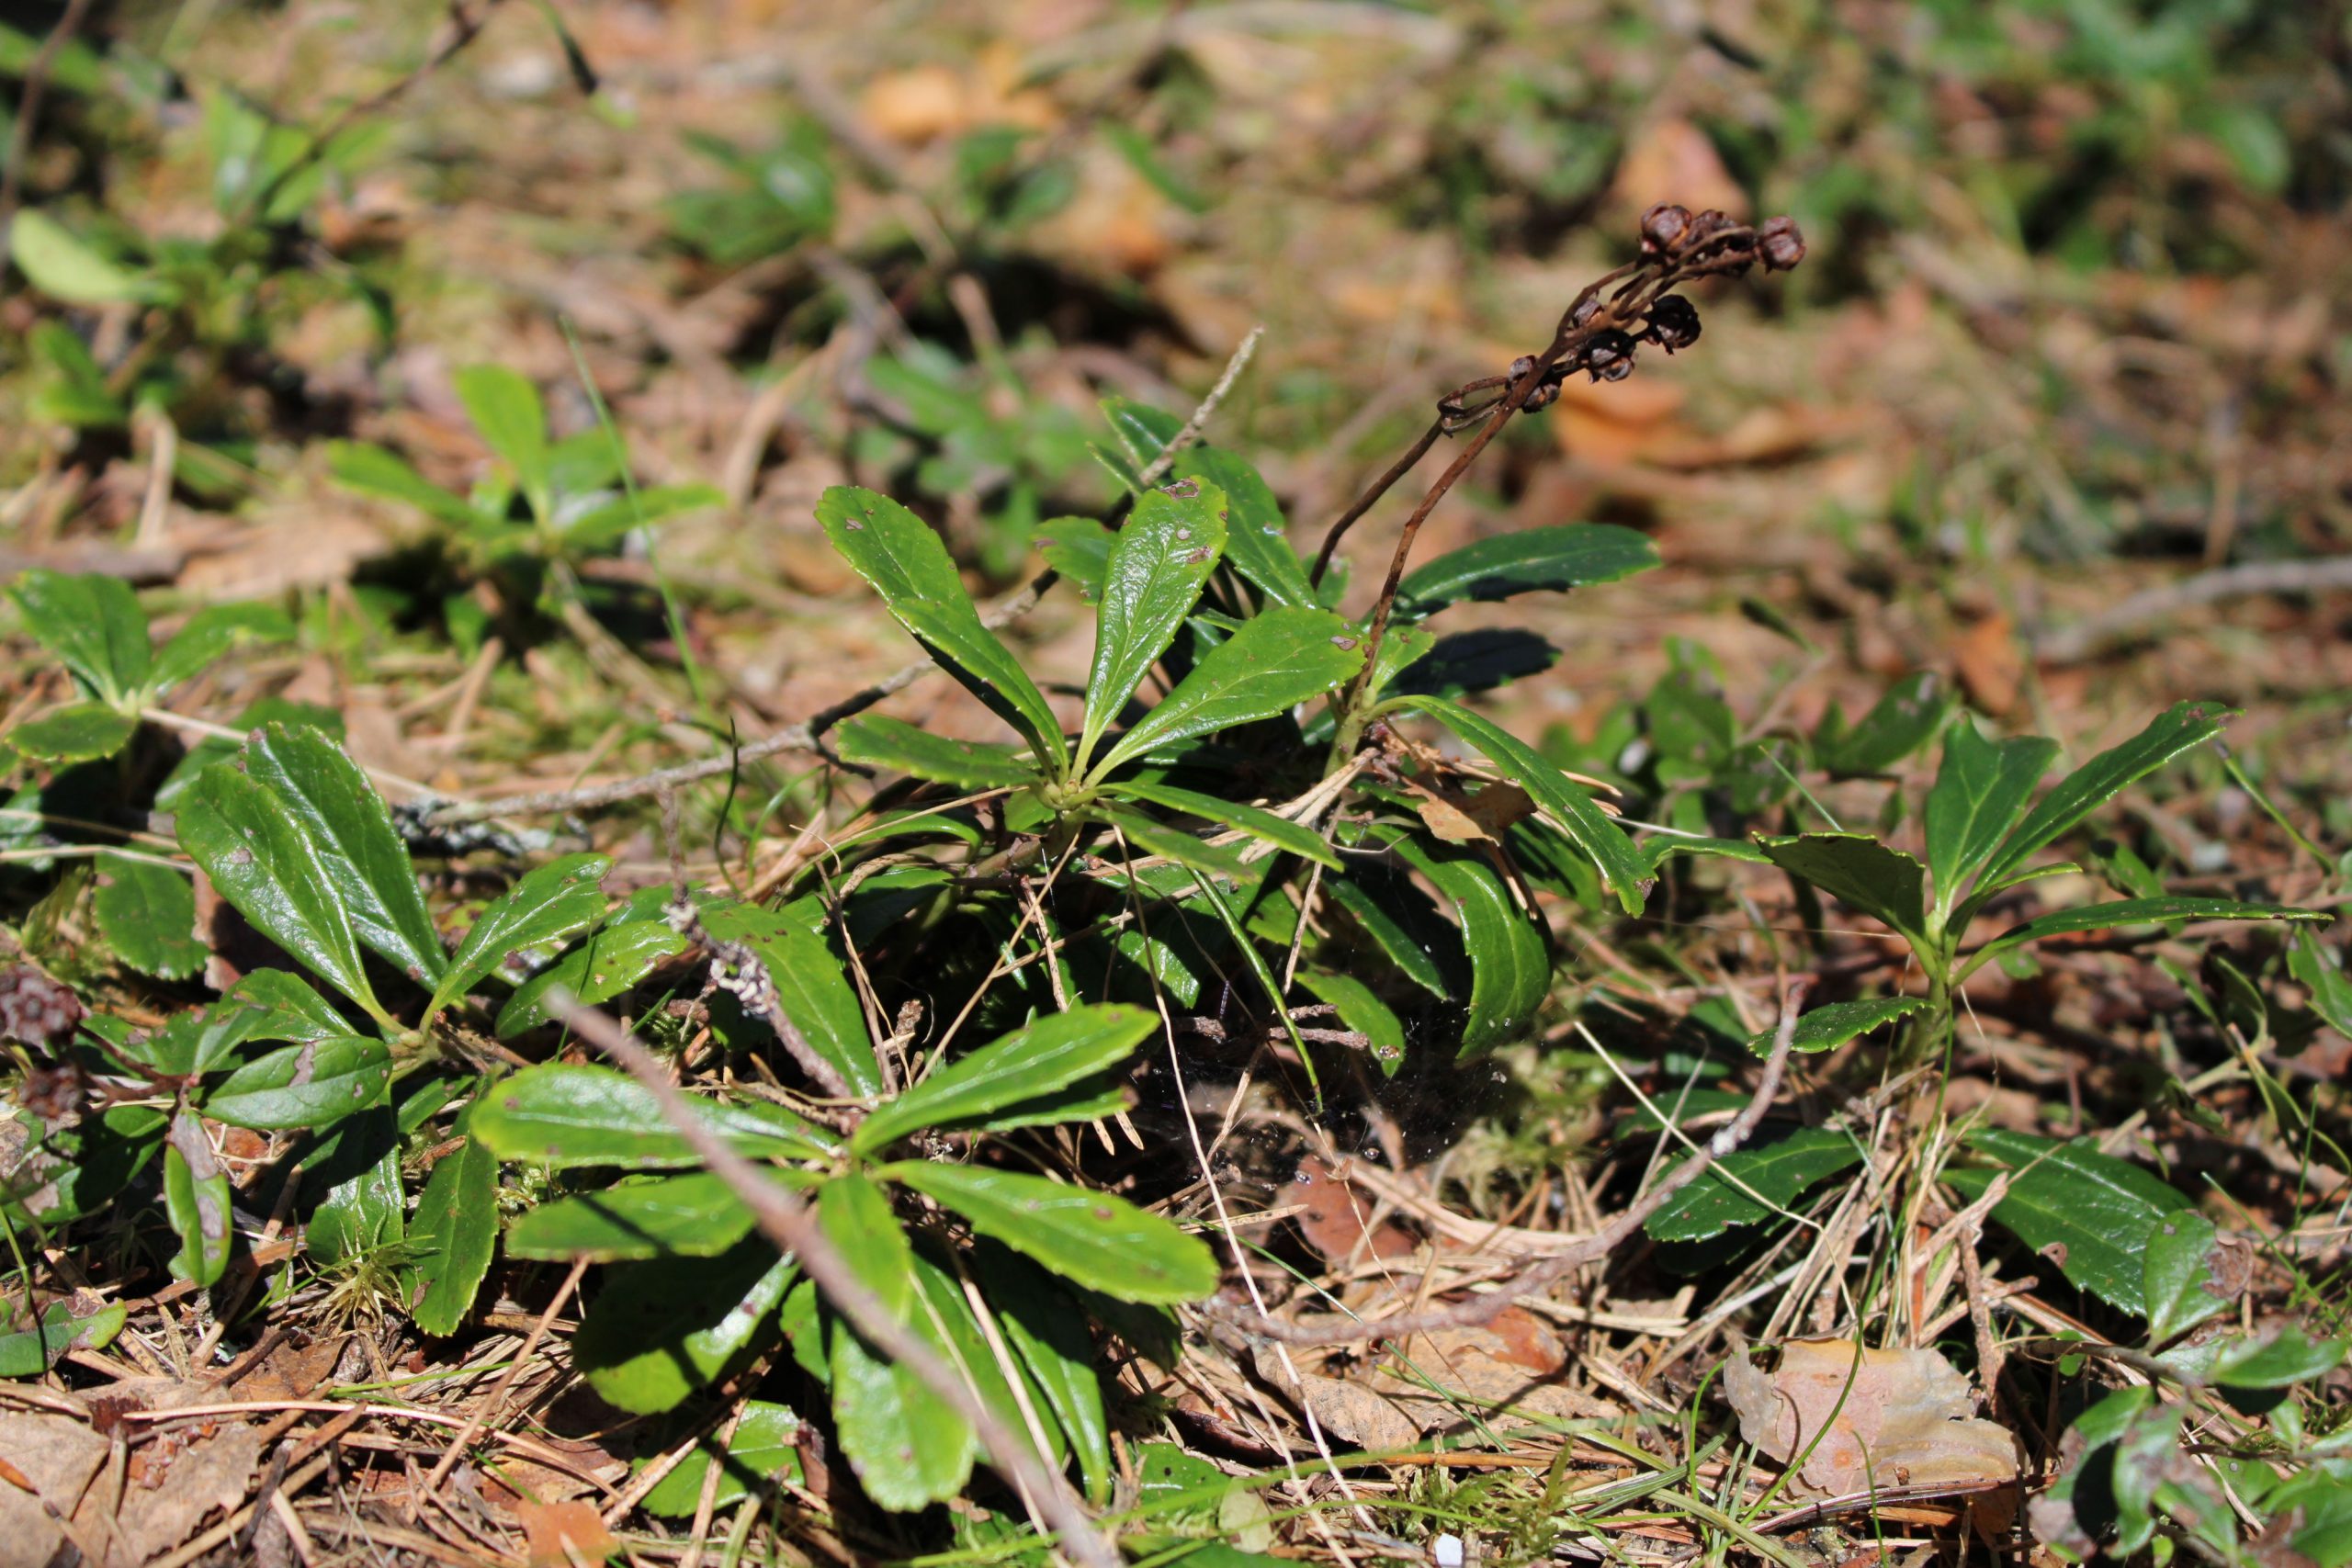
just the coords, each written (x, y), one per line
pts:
(1279, 831)
(2135, 912)
(874, 740)
(552, 902)
(1826, 1028)
(1097, 1239)
(660, 1331)
(1510, 961)
(695, 1215)
(146, 912)
(2090, 1213)
(613, 959)
(908, 1448)
(1557, 556)
(1858, 871)
(455, 1232)
(1898, 724)
(1776, 1170)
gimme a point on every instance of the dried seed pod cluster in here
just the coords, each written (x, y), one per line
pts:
(1602, 332)
(35, 1008)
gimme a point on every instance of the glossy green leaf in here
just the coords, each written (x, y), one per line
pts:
(1096, 1239)
(2278, 1357)
(146, 913)
(763, 1451)
(2136, 912)
(1279, 831)
(2089, 1213)
(908, 1448)
(1157, 564)
(695, 1215)
(1563, 802)
(454, 1232)
(566, 1115)
(1078, 548)
(1463, 662)
(92, 623)
(1047, 1330)
(552, 903)
(897, 553)
(356, 1168)
(1143, 431)
(874, 740)
(213, 632)
(1148, 837)
(30, 1352)
(1275, 661)
(660, 1331)
(604, 526)
(1980, 792)
(1392, 929)
(196, 1202)
(2179, 729)
(1511, 960)
(62, 267)
(1028, 1064)
(1256, 538)
(2181, 1276)
(1858, 871)
(1359, 1009)
(611, 960)
(511, 422)
(294, 1010)
(361, 465)
(359, 850)
(811, 986)
(1656, 851)
(1826, 1028)
(190, 1044)
(1776, 1168)
(309, 1085)
(1905, 718)
(78, 732)
(1556, 556)
(264, 862)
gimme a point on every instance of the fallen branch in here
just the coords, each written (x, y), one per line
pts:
(2069, 644)
(791, 1225)
(1480, 1310)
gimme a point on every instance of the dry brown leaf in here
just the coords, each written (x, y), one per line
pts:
(176, 1481)
(1672, 160)
(1463, 818)
(1348, 1410)
(57, 1456)
(1337, 1221)
(554, 1532)
(1511, 1365)
(1891, 1418)
(314, 550)
(1990, 663)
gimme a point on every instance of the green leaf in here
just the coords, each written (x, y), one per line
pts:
(898, 553)
(2180, 727)
(908, 1448)
(1859, 872)
(66, 269)
(1777, 1170)
(1142, 430)
(811, 986)
(211, 632)
(1028, 1064)
(94, 626)
(1461, 663)
(78, 732)
(1979, 792)
(364, 1210)
(454, 1232)
(658, 1331)
(552, 902)
(30, 1352)
(2135, 912)
(146, 912)
(874, 740)
(1408, 953)
(608, 524)
(1275, 661)
(1157, 567)
(1078, 548)
(1826, 1028)
(613, 959)
(1511, 962)
(1361, 1010)
(696, 1215)
(1148, 837)
(264, 862)
(193, 1044)
(2310, 962)
(2281, 1356)
(359, 850)
(294, 1012)
(361, 465)
(763, 1451)
(1047, 1331)
(566, 1115)
(1279, 831)
(1256, 542)
(1096, 1239)
(309, 1085)
(1905, 718)
(2179, 1281)
(1557, 556)
(196, 1201)
(1564, 803)
(513, 423)
(2088, 1213)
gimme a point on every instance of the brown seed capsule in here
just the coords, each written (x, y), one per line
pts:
(1609, 357)
(35, 1008)
(1674, 324)
(1662, 227)
(1780, 243)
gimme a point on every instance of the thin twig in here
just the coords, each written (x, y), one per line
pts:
(1484, 1309)
(791, 1225)
(486, 1410)
(2067, 645)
